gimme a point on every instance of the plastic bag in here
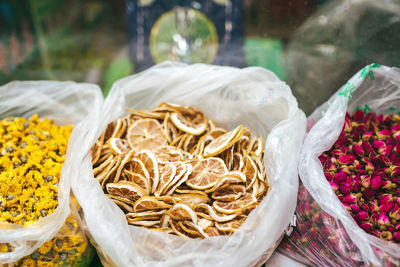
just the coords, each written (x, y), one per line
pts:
(253, 97)
(64, 103)
(326, 234)
(338, 40)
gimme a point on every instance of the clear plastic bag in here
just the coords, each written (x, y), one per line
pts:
(64, 103)
(253, 97)
(326, 234)
(336, 41)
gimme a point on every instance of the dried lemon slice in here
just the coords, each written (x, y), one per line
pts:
(168, 173)
(150, 162)
(231, 226)
(229, 193)
(195, 126)
(146, 134)
(168, 154)
(119, 129)
(257, 146)
(182, 212)
(204, 223)
(191, 228)
(126, 189)
(250, 170)
(149, 203)
(235, 206)
(212, 231)
(206, 173)
(96, 152)
(223, 142)
(232, 177)
(207, 212)
(118, 146)
(153, 213)
(138, 179)
(191, 198)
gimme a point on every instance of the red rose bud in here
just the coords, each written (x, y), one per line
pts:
(383, 220)
(342, 141)
(358, 150)
(384, 134)
(396, 236)
(374, 218)
(328, 176)
(347, 207)
(346, 159)
(365, 181)
(376, 232)
(358, 116)
(337, 152)
(387, 185)
(361, 216)
(330, 166)
(379, 119)
(390, 228)
(364, 207)
(378, 144)
(368, 165)
(396, 135)
(395, 212)
(368, 193)
(347, 125)
(383, 198)
(384, 160)
(334, 186)
(376, 182)
(339, 177)
(386, 207)
(344, 188)
(323, 158)
(367, 227)
(396, 127)
(386, 235)
(373, 205)
(355, 208)
(393, 171)
(350, 199)
(367, 136)
(397, 226)
(387, 119)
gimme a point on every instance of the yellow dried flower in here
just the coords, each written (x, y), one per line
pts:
(32, 152)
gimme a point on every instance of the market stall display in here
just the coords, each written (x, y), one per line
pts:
(348, 209)
(37, 225)
(252, 97)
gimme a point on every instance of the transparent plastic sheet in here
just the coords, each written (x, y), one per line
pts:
(326, 234)
(253, 97)
(64, 103)
(338, 40)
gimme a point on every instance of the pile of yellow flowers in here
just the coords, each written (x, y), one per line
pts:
(31, 156)
(32, 152)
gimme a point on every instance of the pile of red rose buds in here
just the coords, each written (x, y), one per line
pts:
(318, 240)
(363, 168)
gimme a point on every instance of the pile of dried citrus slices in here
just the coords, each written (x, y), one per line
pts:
(172, 170)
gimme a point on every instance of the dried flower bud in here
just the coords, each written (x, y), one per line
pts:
(365, 181)
(383, 220)
(386, 235)
(386, 207)
(396, 236)
(376, 182)
(328, 176)
(364, 207)
(334, 186)
(323, 158)
(358, 116)
(339, 178)
(358, 150)
(395, 212)
(366, 226)
(362, 216)
(346, 159)
(350, 199)
(383, 198)
(344, 188)
(369, 193)
(384, 134)
(355, 208)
